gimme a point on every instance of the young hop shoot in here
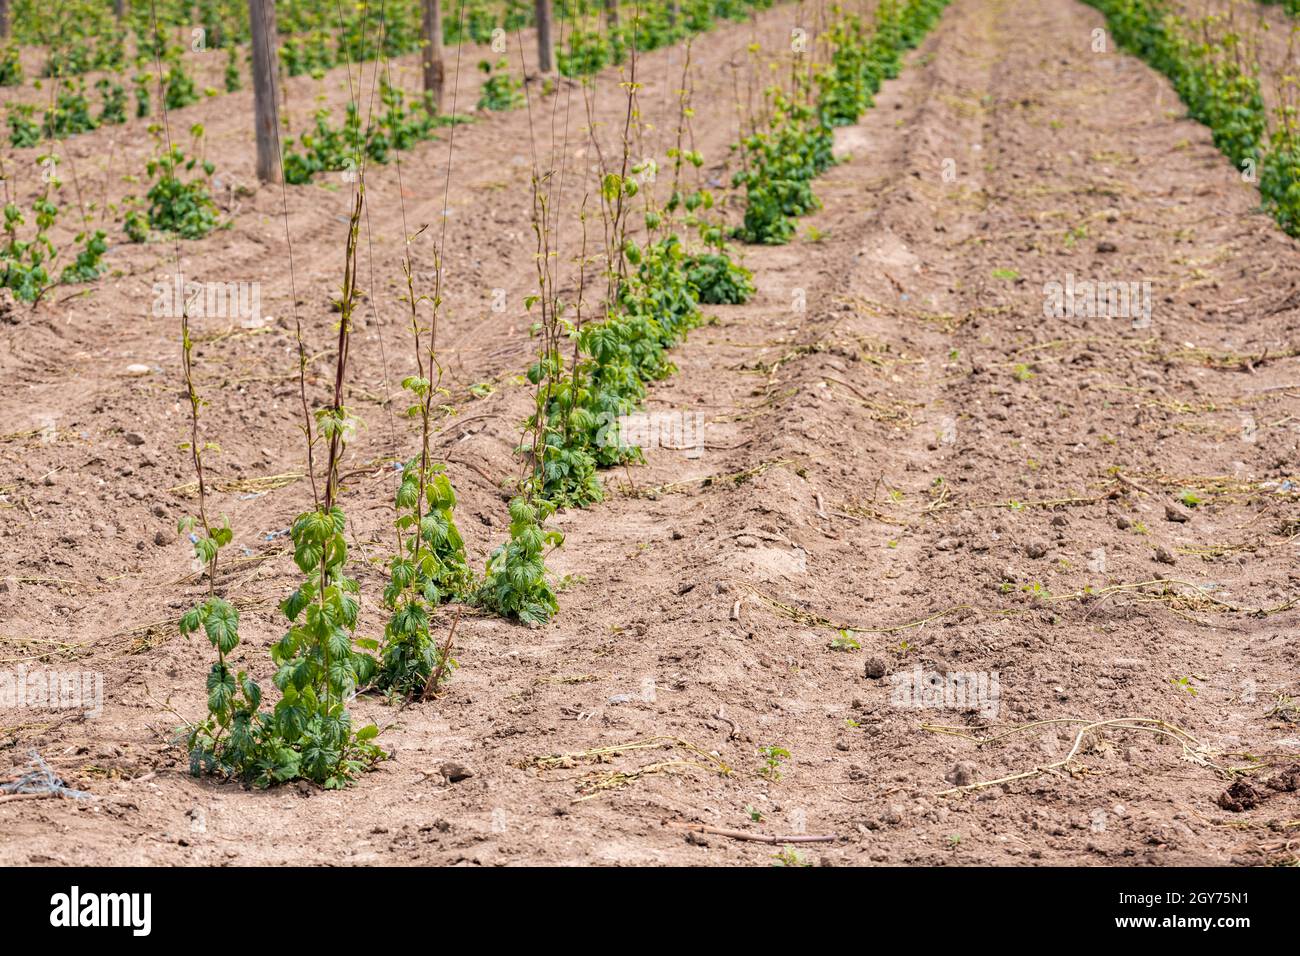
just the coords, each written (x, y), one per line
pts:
(430, 567)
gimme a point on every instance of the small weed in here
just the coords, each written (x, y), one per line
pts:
(773, 758)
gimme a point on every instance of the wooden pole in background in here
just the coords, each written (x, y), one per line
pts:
(432, 60)
(261, 19)
(545, 43)
(4, 19)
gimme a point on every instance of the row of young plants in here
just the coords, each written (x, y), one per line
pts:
(327, 147)
(595, 362)
(397, 125)
(84, 36)
(71, 113)
(590, 374)
(321, 663)
(1217, 75)
(321, 37)
(159, 69)
(652, 23)
(317, 36)
(178, 203)
(72, 110)
(793, 146)
(596, 358)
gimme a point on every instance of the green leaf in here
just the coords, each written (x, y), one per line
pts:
(222, 624)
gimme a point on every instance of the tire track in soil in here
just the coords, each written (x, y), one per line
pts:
(663, 573)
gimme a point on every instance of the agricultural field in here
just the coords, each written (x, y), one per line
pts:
(656, 433)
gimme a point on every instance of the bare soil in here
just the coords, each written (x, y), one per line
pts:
(899, 443)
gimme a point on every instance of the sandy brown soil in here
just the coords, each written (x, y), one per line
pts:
(925, 458)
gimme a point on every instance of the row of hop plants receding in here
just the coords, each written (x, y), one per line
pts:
(84, 36)
(588, 49)
(638, 294)
(318, 36)
(1214, 64)
(179, 201)
(783, 155)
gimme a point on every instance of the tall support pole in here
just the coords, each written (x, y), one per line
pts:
(432, 60)
(261, 19)
(545, 42)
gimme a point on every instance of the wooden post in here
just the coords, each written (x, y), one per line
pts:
(4, 19)
(265, 41)
(119, 8)
(611, 14)
(432, 60)
(545, 43)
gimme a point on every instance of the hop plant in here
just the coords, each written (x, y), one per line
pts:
(717, 280)
(227, 741)
(113, 97)
(23, 131)
(515, 584)
(431, 570)
(89, 264)
(11, 68)
(1279, 180)
(500, 90)
(142, 81)
(318, 666)
(24, 263)
(782, 162)
(184, 208)
(70, 114)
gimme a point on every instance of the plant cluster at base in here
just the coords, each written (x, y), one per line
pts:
(649, 24)
(500, 91)
(515, 585)
(26, 265)
(431, 569)
(182, 207)
(327, 149)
